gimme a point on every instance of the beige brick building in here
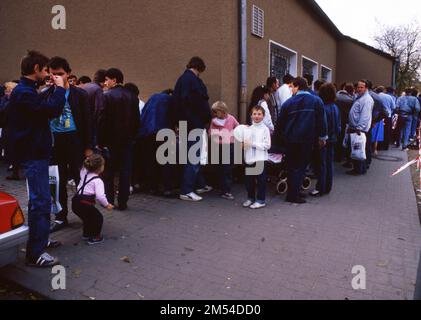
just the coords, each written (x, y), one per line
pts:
(152, 40)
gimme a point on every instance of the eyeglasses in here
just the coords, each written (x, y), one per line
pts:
(58, 74)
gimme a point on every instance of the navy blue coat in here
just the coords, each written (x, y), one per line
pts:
(156, 115)
(302, 120)
(28, 121)
(191, 101)
(333, 122)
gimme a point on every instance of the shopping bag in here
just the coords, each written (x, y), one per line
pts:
(54, 179)
(358, 143)
(346, 138)
(204, 149)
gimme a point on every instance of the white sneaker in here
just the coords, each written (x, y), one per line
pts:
(247, 204)
(257, 205)
(206, 189)
(191, 197)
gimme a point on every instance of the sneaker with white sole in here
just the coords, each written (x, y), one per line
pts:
(191, 197)
(257, 205)
(43, 261)
(247, 204)
(203, 190)
(228, 196)
(94, 241)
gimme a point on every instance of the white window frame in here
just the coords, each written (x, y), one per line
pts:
(260, 10)
(315, 68)
(294, 59)
(330, 74)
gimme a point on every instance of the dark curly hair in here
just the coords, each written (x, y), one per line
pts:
(94, 163)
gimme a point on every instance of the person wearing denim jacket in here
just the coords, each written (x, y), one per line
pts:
(324, 170)
(407, 107)
(301, 123)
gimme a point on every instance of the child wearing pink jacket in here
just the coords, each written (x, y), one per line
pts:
(91, 188)
(221, 133)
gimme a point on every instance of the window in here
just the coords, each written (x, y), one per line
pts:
(326, 73)
(258, 22)
(310, 67)
(282, 61)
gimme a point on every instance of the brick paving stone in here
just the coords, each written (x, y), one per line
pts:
(218, 250)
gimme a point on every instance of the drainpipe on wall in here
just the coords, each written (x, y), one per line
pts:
(243, 62)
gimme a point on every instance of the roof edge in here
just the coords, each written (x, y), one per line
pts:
(366, 46)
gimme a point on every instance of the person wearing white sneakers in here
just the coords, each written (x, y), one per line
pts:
(256, 146)
(191, 105)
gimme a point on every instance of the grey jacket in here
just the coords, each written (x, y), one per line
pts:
(361, 114)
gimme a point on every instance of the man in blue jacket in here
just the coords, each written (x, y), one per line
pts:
(191, 103)
(29, 116)
(156, 115)
(301, 123)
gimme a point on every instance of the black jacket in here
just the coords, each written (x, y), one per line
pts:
(191, 101)
(119, 121)
(82, 115)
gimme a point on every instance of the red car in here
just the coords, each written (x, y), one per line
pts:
(13, 232)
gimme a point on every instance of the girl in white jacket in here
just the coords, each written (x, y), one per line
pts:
(256, 146)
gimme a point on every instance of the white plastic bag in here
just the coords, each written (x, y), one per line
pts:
(358, 146)
(346, 138)
(54, 180)
(204, 149)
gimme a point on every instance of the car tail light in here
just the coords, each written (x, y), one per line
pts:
(18, 219)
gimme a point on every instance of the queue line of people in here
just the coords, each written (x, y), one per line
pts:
(93, 134)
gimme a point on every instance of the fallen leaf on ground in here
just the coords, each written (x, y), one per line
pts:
(140, 295)
(383, 264)
(126, 259)
(189, 249)
(77, 273)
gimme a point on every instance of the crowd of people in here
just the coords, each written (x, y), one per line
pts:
(98, 130)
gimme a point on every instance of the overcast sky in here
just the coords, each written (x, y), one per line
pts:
(358, 18)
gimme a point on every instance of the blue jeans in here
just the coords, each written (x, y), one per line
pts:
(192, 177)
(298, 158)
(406, 131)
(414, 127)
(121, 159)
(325, 174)
(39, 206)
(256, 182)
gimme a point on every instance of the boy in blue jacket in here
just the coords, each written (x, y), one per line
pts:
(31, 145)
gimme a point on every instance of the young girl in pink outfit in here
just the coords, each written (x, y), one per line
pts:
(221, 133)
(91, 187)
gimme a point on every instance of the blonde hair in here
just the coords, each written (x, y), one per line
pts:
(10, 86)
(94, 163)
(220, 106)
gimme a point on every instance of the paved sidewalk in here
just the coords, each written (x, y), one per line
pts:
(169, 249)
